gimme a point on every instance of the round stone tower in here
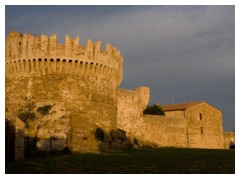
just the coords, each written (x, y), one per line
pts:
(79, 82)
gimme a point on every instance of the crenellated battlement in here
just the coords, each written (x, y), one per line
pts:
(40, 55)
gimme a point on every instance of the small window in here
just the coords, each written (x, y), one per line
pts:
(201, 130)
(200, 116)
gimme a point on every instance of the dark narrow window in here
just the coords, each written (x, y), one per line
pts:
(201, 130)
(200, 116)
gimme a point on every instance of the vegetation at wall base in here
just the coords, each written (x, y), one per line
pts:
(137, 161)
(114, 141)
(99, 134)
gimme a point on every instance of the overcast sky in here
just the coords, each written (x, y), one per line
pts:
(183, 53)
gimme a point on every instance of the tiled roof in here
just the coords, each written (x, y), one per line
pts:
(182, 106)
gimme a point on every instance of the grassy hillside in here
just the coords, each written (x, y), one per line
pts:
(158, 161)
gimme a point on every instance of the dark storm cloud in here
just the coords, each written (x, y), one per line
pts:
(180, 52)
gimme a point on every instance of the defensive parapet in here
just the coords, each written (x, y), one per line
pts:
(41, 55)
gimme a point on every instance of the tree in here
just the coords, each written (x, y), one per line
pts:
(154, 110)
(29, 113)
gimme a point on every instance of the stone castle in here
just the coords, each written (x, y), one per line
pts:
(81, 84)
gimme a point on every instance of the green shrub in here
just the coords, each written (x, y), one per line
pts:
(44, 110)
(154, 110)
(24, 116)
(26, 113)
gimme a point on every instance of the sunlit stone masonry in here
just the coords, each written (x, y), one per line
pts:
(67, 91)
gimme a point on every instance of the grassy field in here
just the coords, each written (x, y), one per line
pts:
(142, 161)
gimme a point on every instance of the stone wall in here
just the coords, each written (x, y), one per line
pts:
(19, 139)
(14, 139)
(39, 55)
(205, 126)
(198, 126)
(229, 139)
(175, 113)
(130, 106)
(79, 81)
(164, 131)
(79, 106)
(81, 84)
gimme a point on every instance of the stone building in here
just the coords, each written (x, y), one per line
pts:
(188, 125)
(204, 123)
(77, 86)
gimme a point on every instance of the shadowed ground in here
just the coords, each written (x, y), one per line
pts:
(158, 161)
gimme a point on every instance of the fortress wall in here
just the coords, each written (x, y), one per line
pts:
(14, 139)
(174, 113)
(164, 131)
(205, 126)
(130, 106)
(19, 139)
(128, 114)
(43, 66)
(80, 105)
(81, 82)
(229, 139)
(39, 55)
